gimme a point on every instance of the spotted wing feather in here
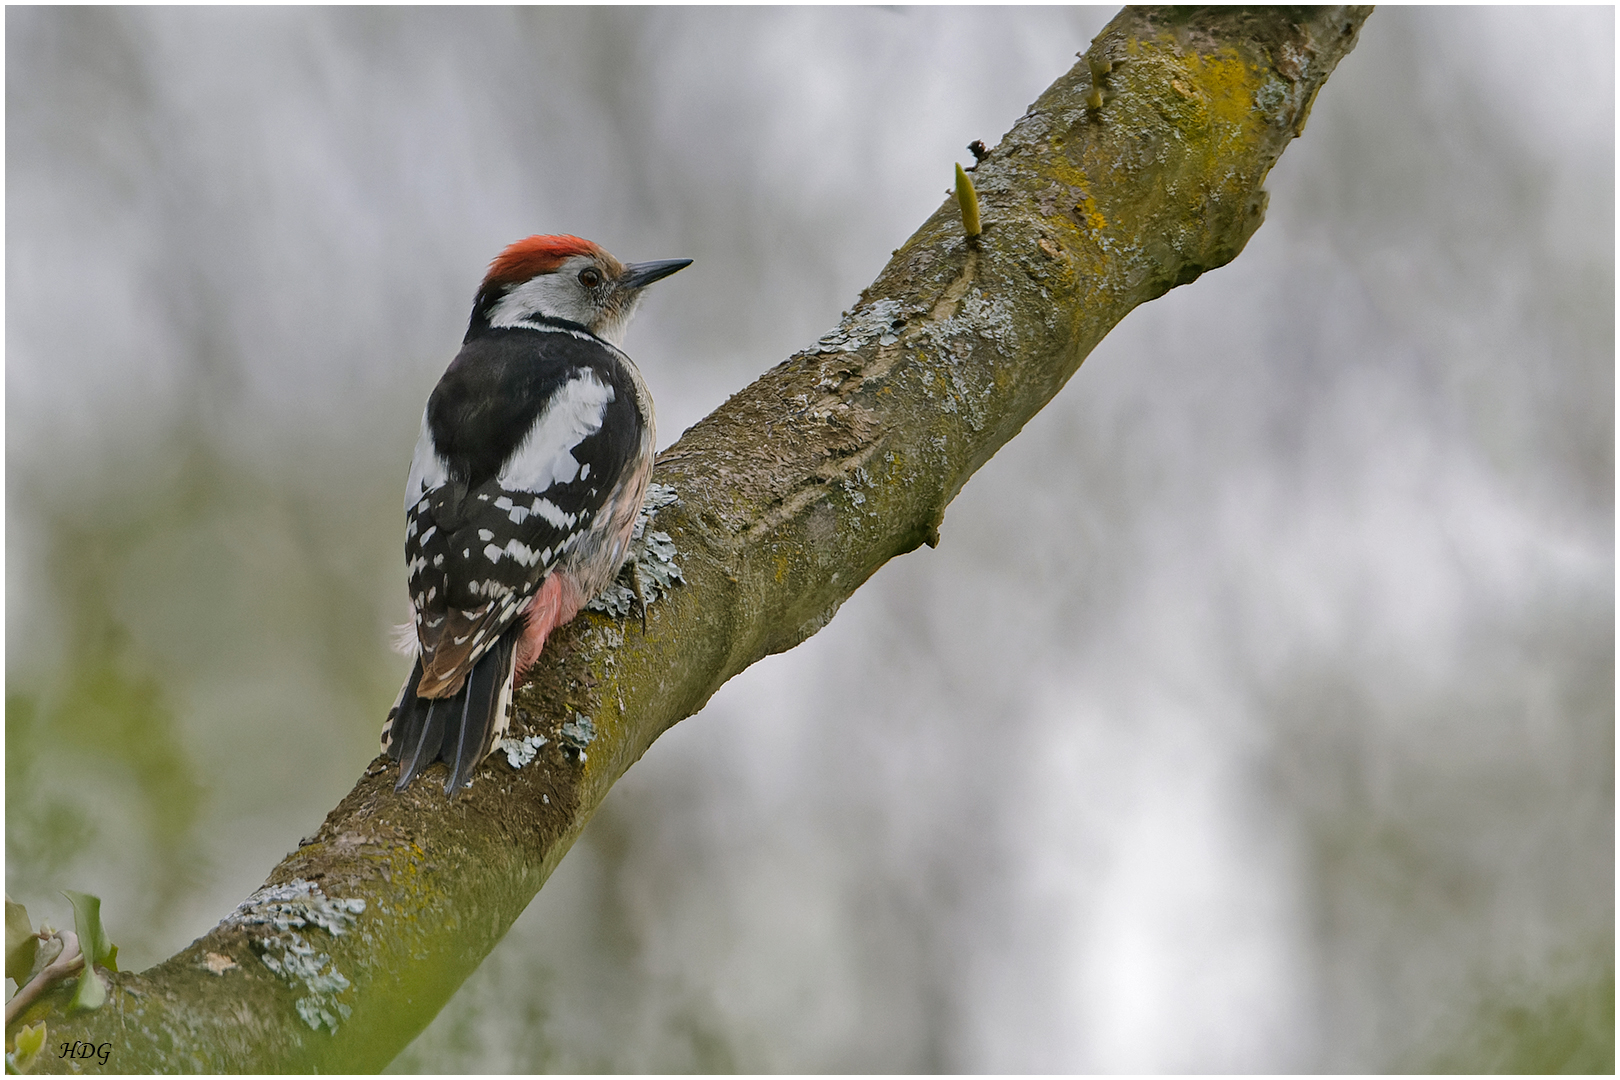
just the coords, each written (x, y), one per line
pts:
(529, 434)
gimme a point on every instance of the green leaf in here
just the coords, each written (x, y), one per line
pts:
(21, 944)
(92, 992)
(92, 938)
(30, 1041)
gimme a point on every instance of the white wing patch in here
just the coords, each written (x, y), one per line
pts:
(428, 469)
(545, 456)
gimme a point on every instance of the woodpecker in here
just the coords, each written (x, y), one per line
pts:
(531, 466)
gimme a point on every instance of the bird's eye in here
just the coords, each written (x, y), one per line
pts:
(590, 277)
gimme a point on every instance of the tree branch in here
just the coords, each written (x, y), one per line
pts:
(1134, 173)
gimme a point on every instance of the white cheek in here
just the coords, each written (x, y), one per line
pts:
(558, 296)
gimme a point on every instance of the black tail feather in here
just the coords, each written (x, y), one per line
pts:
(478, 719)
(429, 733)
(456, 738)
(458, 730)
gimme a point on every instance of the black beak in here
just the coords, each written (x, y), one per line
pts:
(640, 275)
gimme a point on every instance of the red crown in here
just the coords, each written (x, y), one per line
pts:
(535, 255)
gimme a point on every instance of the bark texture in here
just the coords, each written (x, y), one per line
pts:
(1134, 173)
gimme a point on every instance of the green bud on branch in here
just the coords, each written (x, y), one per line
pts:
(968, 200)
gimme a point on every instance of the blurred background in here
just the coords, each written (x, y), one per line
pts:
(1256, 712)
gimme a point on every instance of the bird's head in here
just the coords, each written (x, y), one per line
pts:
(564, 278)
